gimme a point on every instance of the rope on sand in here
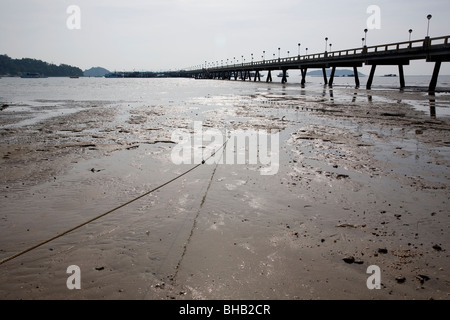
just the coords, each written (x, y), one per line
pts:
(109, 211)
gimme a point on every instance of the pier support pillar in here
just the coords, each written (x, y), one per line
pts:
(372, 73)
(355, 73)
(434, 78)
(333, 70)
(303, 71)
(402, 76)
(257, 76)
(269, 76)
(325, 80)
(284, 78)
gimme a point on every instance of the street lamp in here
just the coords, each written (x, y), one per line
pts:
(278, 53)
(410, 31)
(365, 37)
(428, 27)
(306, 51)
(264, 55)
(326, 41)
(330, 47)
(288, 54)
(299, 50)
(362, 39)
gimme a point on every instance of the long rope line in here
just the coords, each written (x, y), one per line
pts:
(107, 212)
(193, 225)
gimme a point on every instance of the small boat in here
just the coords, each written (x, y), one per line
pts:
(115, 75)
(390, 75)
(281, 75)
(31, 75)
(74, 77)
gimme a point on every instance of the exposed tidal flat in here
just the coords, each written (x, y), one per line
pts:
(363, 180)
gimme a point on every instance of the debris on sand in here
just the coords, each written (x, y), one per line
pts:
(349, 260)
(400, 279)
(437, 247)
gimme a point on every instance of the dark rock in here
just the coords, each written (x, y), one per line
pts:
(349, 259)
(382, 250)
(422, 278)
(437, 247)
(400, 279)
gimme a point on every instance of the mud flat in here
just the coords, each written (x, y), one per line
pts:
(362, 181)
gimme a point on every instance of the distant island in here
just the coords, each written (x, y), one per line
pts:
(25, 66)
(337, 73)
(96, 72)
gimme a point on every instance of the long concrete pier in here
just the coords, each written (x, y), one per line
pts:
(434, 50)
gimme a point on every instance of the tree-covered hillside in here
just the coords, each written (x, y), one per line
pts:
(17, 67)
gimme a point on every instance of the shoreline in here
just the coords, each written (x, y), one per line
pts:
(354, 179)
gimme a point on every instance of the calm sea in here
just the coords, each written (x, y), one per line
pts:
(39, 99)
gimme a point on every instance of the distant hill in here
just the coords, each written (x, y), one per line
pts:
(17, 67)
(95, 72)
(337, 73)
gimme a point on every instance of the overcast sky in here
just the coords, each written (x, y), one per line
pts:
(174, 34)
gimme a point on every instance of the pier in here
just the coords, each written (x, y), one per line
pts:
(434, 50)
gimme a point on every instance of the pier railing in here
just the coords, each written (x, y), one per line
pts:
(383, 48)
(399, 54)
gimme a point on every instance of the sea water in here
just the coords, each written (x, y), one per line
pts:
(34, 100)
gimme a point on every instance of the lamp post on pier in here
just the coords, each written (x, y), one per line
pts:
(299, 50)
(428, 27)
(427, 38)
(365, 37)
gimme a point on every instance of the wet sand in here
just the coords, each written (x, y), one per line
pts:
(362, 181)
